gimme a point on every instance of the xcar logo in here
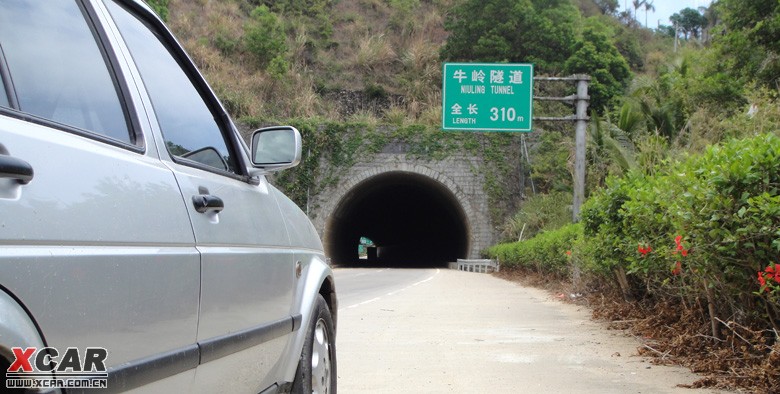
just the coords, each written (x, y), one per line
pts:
(46, 368)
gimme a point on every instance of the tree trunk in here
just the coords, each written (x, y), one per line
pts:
(625, 288)
(711, 309)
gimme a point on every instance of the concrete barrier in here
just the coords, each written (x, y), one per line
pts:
(481, 266)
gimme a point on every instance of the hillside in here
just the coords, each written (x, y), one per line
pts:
(340, 60)
(364, 60)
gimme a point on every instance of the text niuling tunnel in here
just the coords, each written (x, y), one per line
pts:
(413, 221)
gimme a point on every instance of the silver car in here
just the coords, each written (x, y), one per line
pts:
(141, 246)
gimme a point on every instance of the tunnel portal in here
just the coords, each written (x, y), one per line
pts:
(413, 221)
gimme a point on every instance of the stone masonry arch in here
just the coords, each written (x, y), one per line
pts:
(449, 189)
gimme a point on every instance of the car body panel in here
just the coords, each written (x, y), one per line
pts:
(105, 248)
(86, 234)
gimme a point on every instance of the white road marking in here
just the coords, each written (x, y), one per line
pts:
(392, 293)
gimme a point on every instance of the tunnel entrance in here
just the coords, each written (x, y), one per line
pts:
(411, 220)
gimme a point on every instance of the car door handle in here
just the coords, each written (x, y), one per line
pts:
(205, 202)
(11, 167)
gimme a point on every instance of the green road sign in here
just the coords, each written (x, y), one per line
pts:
(487, 97)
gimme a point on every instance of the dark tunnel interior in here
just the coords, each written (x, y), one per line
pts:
(413, 221)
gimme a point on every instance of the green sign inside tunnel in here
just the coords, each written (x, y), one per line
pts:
(487, 97)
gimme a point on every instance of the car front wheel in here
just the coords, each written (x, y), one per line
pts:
(317, 366)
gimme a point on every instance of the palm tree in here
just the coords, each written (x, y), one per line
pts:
(637, 4)
(648, 7)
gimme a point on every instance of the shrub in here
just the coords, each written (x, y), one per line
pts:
(264, 36)
(698, 229)
(549, 252)
(540, 212)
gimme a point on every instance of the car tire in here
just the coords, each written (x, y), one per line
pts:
(317, 366)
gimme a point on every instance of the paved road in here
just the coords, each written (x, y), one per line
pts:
(442, 331)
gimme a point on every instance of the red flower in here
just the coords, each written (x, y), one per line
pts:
(643, 251)
(761, 279)
(680, 248)
(568, 252)
(773, 272)
(677, 269)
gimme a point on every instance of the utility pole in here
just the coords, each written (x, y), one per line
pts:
(581, 101)
(580, 145)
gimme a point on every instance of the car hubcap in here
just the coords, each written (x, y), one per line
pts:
(320, 359)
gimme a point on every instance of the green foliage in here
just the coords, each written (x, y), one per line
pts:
(610, 152)
(662, 102)
(690, 21)
(264, 36)
(627, 42)
(598, 57)
(160, 7)
(278, 67)
(298, 7)
(711, 221)
(539, 32)
(548, 252)
(401, 19)
(602, 219)
(607, 7)
(550, 163)
(540, 212)
(750, 45)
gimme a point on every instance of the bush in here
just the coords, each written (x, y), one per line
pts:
(548, 252)
(540, 212)
(264, 36)
(699, 229)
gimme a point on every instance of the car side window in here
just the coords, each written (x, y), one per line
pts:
(58, 69)
(187, 122)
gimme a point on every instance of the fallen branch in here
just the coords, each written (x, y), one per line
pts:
(662, 355)
(728, 325)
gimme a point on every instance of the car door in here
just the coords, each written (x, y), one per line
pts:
(247, 267)
(95, 240)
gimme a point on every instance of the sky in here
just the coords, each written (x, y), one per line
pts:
(663, 10)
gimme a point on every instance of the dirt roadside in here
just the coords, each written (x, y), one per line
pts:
(463, 332)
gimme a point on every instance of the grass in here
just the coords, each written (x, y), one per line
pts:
(373, 43)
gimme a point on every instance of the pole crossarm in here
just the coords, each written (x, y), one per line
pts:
(570, 118)
(576, 77)
(580, 100)
(568, 99)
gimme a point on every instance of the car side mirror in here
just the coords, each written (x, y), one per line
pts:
(276, 148)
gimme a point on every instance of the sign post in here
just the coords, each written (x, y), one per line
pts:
(487, 97)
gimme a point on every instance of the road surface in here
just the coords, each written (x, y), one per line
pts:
(443, 331)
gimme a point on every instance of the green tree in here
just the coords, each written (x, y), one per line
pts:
(264, 36)
(649, 6)
(598, 57)
(690, 21)
(637, 5)
(607, 7)
(529, 31)
(750, 45)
